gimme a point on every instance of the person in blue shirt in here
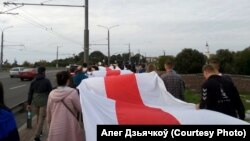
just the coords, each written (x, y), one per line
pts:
(79, 76)
(142, 68)
(8, 128)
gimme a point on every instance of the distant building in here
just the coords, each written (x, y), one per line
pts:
(151, 59)
(207, 53)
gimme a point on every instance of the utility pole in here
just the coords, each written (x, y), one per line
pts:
(163, 52)
(108, 28)
(57, 57)
(1, 61)
(129, 54)
(2, 39)
(139, 61)
(86, 33)
(108, 49)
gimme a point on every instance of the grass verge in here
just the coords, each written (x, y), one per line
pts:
(194, 97)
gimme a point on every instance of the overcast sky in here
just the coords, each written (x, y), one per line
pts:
(150, 26)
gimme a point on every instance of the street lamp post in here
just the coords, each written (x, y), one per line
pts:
(108, 28)
(1, 59)
(86, 33)
(57, 57)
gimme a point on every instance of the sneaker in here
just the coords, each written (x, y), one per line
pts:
(37, 139)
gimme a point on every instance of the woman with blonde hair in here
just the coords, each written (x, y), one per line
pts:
(150, 68)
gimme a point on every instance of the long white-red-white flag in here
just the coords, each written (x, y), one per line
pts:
(139, 99)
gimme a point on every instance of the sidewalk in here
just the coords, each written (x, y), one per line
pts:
(29, 134)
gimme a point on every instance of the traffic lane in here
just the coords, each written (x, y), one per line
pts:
(16, 91)
(51, 75)
(4, 75)
(13, 83)
(9, 82)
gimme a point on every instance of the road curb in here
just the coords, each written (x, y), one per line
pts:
(28, 134)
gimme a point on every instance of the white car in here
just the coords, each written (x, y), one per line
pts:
(14, 72)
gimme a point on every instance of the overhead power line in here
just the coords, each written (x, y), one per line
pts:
(48, 29)
(41, 4)
(31, 20)
(6, 12)
(38, 25)
(86, 30)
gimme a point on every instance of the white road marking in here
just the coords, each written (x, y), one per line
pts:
(4, 77)
(17, 87)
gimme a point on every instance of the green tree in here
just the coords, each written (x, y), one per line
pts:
(135, 59)
(226, 59)
(143, 60)
(15, 63)
(78, 59)
(116, 59)
(125, 57)
(119, 58)
(41, 63)
(27, 64)
(189, 61)
(6, 64)
(96, 57)
(242, 62)
(162, 60)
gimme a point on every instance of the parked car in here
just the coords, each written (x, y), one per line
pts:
(28, 73)
(14, 72)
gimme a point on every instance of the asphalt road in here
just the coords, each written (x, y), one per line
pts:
(16, 91)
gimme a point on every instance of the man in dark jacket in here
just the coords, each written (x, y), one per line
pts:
(39, 90)
(220, 94)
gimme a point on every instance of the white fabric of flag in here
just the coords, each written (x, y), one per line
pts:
(139, 99)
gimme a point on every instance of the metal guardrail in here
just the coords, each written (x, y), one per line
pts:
(19, 107)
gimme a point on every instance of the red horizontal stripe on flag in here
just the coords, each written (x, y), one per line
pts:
(136, 114)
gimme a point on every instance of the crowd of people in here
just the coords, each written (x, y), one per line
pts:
(60, 106)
